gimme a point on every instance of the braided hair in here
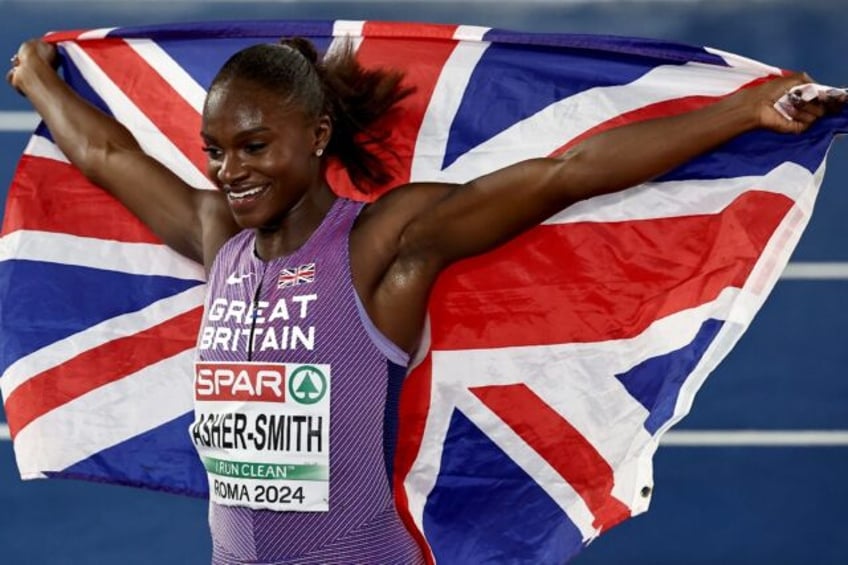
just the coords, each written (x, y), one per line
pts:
(339, 86)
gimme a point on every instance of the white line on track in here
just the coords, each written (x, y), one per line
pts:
(756, 438)
(18, 121)
(718, 438)
(815, 271)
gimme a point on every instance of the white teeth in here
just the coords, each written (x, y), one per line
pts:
(245, 194)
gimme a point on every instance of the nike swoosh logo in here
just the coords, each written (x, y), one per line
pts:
(238, 279)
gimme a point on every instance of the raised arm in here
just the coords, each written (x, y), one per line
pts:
(489, 210)
(188, 220)
(438, 224)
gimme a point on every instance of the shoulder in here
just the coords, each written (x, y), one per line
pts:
(217, 223)
(392, 212)
(376, 237)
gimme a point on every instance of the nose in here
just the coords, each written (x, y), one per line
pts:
(231, 171)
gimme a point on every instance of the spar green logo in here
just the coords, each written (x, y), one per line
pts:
(307, 384)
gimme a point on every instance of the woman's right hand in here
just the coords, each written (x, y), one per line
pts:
(31, 55)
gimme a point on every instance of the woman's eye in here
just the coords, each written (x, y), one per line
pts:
(212, 152)
(254, 147)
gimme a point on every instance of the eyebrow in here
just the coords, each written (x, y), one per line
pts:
(245, 133)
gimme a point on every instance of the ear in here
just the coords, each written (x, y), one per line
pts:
(323, 133)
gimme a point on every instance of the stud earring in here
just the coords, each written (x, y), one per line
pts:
(319, 151)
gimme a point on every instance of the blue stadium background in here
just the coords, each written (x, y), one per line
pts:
(722, 503)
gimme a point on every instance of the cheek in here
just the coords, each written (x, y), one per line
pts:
(212, 169)
(283, 165)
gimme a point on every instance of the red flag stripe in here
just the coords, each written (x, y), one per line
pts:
(414, 406)
(52, 196)
(561, 445)
(656, 110)
(65, 35)
(146, 88)
(620, 277)
(102, 365)
(376, 29)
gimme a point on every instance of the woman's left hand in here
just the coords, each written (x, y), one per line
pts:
(801, 113)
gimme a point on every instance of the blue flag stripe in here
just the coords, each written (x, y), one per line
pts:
(176, 469)
(656, 382)
(661, 51)
(248, 28)
(511, 83)
(61, 300)
(202, 58)
(760, 151)
(474, 502)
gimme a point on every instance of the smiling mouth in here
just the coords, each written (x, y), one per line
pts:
(237, 196)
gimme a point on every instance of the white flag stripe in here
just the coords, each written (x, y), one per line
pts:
(182, 82)
(42, 147)
(18, 121)
(106, 416)
(470, 33)
(66, 349)
(684, 197)
(351, 36)
(566, 119)
(530, 461)
(347, 28)
(346, 31)
(96, 33)
(149, 137)
(147, 259)
(431, 143)
(740, 62)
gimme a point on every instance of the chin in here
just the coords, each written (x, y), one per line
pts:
(247, 221)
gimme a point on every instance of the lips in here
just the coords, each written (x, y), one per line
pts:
(245, 197)
(245, 193)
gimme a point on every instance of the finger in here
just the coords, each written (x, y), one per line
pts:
(800, 78)
(815, 108)
(795, 126)
(10, 78)
(805, 117)
(834, 106)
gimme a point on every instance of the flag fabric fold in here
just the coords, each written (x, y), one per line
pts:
(551, 367)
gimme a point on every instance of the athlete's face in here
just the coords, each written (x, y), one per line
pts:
(261, 151)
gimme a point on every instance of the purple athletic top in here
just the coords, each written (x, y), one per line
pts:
(306, 311)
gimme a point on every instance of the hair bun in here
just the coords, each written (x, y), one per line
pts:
(302, 46)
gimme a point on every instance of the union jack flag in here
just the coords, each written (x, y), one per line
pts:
(550, 367)
(296, 276)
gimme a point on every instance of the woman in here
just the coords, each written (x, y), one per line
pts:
(315, 302)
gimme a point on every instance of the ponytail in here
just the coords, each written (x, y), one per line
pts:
(358, 98)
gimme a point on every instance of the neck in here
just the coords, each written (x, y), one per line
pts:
(296, 226)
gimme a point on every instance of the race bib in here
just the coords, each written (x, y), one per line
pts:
(263, 433)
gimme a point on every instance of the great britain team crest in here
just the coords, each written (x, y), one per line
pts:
(297, 276)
